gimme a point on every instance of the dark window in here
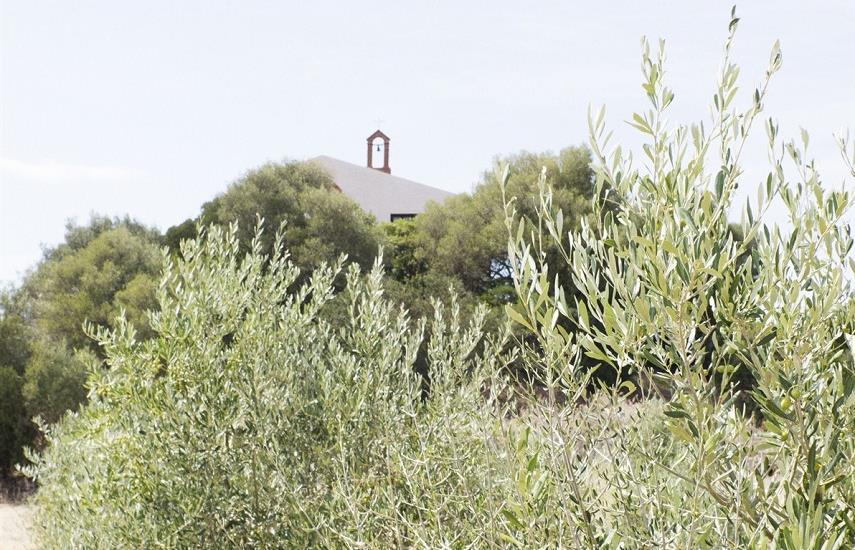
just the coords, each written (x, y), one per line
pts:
(395, 217)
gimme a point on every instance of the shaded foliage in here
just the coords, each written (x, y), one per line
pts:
(55, 378)
(100, 269)
(465, 236)
(12, 420)
(15, 333)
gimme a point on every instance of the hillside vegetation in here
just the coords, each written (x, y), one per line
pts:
(662, 377)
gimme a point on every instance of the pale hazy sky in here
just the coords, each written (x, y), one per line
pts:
(151, 108)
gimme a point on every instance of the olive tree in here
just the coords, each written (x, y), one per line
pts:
(670, 293)
(251, 420)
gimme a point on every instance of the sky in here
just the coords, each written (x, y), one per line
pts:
(152, 108)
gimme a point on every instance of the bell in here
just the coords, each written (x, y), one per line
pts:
(378, 148)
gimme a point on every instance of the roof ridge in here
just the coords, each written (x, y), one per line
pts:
(374, 171)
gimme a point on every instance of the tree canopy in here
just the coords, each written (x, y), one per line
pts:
(322, 222)
(466, 238)
(100, 270)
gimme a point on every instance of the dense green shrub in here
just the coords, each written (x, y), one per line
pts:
(464, 237)
(248, 419)
(15, 332)
(104, 267)
(12, 419)
(100, 269)
(55, 378)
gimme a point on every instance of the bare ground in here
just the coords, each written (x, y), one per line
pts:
(13, 527)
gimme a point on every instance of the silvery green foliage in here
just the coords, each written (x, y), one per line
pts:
(253, 420)
(679, 300)
(249, 420)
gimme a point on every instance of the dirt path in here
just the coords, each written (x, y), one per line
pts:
(13, 532)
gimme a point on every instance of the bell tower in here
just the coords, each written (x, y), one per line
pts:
(372, 143)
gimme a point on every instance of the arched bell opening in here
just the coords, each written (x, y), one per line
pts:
(376, 141)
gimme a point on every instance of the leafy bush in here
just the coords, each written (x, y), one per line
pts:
(99, 270)
(55, 378)
(671, 297)
(15, 333)
(103, 267)
(12, 421)
(464, 237)
(249, 420)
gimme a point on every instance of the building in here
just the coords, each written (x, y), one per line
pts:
(376, 190)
